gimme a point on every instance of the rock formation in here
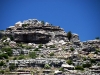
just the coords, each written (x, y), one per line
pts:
(36, 31)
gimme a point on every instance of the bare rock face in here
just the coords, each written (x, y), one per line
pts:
(34, 31)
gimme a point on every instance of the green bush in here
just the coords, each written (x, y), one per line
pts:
(36, 49)
(43, 22)
(2, 72)
(47, 66)
(8, 51)
(69, 35)
(4, 38)
(61, 69)
(33, 55)
(52, 46)
(14, 58)
(12, 67)
(40, 46)
(72, 49)
(2, 56)
(79, 68)
(87, 65)
(20, 57)
(52, 54)
(11, 38)
(2, 63)
(92, 60)
(69, 62)
(28, 47)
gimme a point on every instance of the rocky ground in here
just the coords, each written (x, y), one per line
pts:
(38, 48)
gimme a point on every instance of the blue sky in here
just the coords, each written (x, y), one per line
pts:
(78, 16)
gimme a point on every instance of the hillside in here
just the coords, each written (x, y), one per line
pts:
(38, 47)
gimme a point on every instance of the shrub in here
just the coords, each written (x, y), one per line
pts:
(21, 57)
(14, 58)
(2, 72)
(61, 69)
(5, 56)
(36, 49)
(72, 49)
(12, 67)
(43, 22)
(28, 47)
(52, 46)
(79, 68)
(4, 38)
(52, 54)
(11, 38)
(40, 46)
(25, 25)
(87, 65)
(2, 63)
(69, 35)
(69, 62)
(47, 66)
(32, 55)
(8, 51)
(92, 60)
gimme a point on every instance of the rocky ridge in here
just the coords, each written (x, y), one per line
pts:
(45, 49)
(36, 31)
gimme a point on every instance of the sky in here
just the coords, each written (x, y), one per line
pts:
(78, 16)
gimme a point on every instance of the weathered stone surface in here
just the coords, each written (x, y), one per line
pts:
(34, 31)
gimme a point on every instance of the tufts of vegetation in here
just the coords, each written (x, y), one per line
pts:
(87, 65)
(2, 63)
(61, 69)
(25, 25)
(20, 57)
(43, 22)
(52, 54)
(2, 72)
(33, 55)
(7, 50)
(72, 49)
(47, 66)
(36, 49)
(69, 62)
(52, 46)
(12, 67)
(40, 46)
(79, 68)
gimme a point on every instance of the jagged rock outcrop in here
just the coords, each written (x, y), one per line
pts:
(36, 31)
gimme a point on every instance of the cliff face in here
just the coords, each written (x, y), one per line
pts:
(36, 31)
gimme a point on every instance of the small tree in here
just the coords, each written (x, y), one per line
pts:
(72, 49)
(69, 35)
(12, 67)
(43, 22)
(69, 62)
(47, 66)
(2, 63)
(33, 55)
(40, 46)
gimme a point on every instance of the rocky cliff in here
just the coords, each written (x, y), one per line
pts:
(35, 31)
